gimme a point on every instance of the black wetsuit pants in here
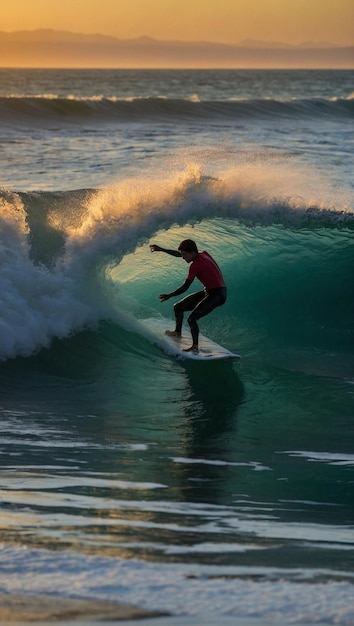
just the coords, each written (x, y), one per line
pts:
(200, 303)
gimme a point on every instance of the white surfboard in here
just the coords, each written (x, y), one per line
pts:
(208, 350)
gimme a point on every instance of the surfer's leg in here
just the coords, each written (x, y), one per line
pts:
(187, 304)
(192, 321)
(213, 299)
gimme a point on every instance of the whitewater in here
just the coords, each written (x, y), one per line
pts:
(220, 492)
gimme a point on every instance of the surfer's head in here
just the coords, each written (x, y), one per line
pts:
(188, 249)
(188, 245)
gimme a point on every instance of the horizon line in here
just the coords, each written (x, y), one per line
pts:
(252, 42)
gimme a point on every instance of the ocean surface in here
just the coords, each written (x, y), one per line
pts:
(222, 493)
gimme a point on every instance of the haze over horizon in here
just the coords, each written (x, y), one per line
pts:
(223, 21)
(260, 23)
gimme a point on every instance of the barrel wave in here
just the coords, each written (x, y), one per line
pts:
(288, 263)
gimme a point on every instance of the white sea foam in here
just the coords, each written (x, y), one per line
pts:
(324, 457)
(36, 304)
(198, 593)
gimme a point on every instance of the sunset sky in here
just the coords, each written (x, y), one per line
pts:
(227, 21)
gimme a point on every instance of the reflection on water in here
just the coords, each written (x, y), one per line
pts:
(211, 415)
(110, 447)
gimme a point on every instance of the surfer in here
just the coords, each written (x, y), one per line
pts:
(203, 267)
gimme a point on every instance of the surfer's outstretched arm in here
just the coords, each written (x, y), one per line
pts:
(177, 292)
(155, 248)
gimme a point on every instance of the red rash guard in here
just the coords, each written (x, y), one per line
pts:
(207, 271)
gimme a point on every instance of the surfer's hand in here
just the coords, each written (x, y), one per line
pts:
(164, 296)
(155, 248)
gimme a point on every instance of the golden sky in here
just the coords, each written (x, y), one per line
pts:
(227, 21)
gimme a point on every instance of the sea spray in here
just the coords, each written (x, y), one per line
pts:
(37, 303)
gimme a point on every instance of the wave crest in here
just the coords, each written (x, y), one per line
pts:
(100, 109)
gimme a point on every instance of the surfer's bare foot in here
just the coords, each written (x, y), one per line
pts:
(193, 349)
(173, 333)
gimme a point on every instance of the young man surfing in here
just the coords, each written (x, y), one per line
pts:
(203, 267)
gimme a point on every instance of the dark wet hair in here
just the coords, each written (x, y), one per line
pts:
(188, 245)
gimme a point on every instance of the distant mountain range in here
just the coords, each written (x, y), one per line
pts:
(52, 48)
